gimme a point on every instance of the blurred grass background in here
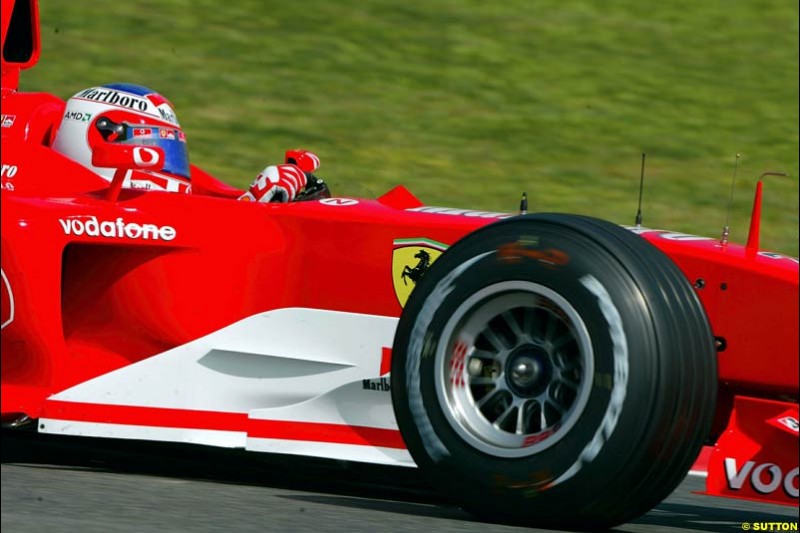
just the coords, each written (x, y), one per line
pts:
(468, 103)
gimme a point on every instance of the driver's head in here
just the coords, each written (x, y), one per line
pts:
(128, 114)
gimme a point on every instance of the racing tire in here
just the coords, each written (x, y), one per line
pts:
(556, 371)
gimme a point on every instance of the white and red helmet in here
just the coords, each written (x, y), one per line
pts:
(127, 114)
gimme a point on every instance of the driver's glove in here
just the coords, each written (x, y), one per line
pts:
(307, 161)
(276, 183)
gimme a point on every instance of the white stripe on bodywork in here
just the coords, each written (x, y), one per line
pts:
(304, 365)
(329, 450)
(351, 405)
(272, 359)
(223, 439)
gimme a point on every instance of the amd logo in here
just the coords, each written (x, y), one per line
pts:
(77, 115)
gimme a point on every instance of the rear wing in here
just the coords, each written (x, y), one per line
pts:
(21, 41)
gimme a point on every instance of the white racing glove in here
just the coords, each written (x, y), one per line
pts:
(276, 183)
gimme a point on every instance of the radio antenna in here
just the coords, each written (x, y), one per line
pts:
(726, 230)
(523, 204)
(641, 190)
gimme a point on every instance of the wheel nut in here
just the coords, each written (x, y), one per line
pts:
(475, 367)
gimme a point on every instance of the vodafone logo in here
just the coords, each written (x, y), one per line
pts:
(670, 236)
(765, 478)
(145, 157)
(116, 229)
(458, 212)
(773, 255)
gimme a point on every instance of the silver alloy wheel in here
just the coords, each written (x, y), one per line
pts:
(514, 369)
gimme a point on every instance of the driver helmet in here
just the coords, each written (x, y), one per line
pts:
(129, 114)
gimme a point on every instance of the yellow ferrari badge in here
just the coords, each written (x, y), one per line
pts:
(411, 258)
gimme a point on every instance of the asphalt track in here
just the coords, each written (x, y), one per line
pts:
(64, 484)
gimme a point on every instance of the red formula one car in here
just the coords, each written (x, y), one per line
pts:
(546, 369)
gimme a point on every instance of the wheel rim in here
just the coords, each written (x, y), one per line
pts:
(514, 370)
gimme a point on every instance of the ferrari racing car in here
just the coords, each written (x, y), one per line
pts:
(544, 369)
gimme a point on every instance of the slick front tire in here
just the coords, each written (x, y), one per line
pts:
(554, 370)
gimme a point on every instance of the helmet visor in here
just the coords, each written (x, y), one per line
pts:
(169, 139)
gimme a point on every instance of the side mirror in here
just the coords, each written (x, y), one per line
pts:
(124, 158)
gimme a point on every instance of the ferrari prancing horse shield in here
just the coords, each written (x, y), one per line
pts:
(411, 258)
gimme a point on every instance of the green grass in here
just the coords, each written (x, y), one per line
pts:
(469, 103)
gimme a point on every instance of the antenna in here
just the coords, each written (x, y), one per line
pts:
(641, 190)
(726, 230)
(523, 204)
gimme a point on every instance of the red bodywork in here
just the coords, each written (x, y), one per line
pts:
(91, 285)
